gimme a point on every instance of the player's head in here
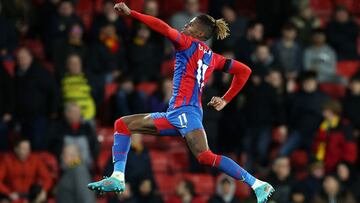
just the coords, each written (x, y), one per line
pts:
(203, 27)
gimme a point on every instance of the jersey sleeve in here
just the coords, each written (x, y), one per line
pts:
(221, 63)
(179, 40)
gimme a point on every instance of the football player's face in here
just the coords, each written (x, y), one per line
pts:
(191, 28)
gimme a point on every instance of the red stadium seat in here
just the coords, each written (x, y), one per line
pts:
(179, 161)
(110, 90)
(243, 191)
(322, 7)
(347, 68)
(105, 136)
(37, 48)
(204, 184)
(159, 161)
(51, 163)
(167, 183)
(102, 159)
(147, 87)
(334, 90)
(299, 159)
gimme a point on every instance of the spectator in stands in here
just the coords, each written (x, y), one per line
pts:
(138, 163)
(109, 16)
(76, 87)
(6, 105)
(35, 98)
(128, 100)
(332, 193)
(237, 26)
(305, 22)
(125, 197)
(321, 58)
(73, 44)
(260, 99)
(281, 179)
(225, 191)
(72, 130)
(349, 178)
(297, 194)
(287, 51)
(21, 169)
(185, 193)
(145, 192)
(262, 61)
(247, 44)
(313, 183)
(145, 56)
(178, 20)
(108, 54)
(304, 114)
(37, 194)
(159, 101)
(71, 186)
(351, 103)
(334, 142)
(61, 21)
(342, 34)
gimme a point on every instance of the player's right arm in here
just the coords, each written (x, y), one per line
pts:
(155, 24)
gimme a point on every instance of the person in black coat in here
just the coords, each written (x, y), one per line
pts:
(342, 33)
(35, 98)
(351, 103)
(6, 105)
(304, 113)
(73, 131)
(145, 192)
(225, 191)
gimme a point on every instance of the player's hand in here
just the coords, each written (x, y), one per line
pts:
(122, 8)
(217, 103)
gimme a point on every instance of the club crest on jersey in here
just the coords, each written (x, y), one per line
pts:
(206, 51)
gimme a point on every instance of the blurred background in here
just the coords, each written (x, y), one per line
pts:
(69, 68)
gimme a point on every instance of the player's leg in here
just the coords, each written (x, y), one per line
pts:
(123, 128)
(198, 145)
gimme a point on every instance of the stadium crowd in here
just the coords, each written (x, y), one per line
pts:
(69, 68)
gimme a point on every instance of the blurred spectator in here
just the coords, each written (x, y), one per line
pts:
(351, 103)
(109, 16)
(35, 98)
(287, 51)
(260, 99)
(21, 169)
(225, 191)
(262, 61)
(108, 54)
(76, 87)
(145, 192)
(298, 194)
(313, 183)
(321, 58)
(125, 197)
(37, 194)
(237, 26)
(334, 142)
(128, 100)
(280, 178)
(305, 22)
(349, 178)
(332, 193)
(6, 105)
(61, 21)
(145, 57)
(72, 130)
(73, 44)
(185, 193)
(304, 114)
(138, 163)
(342, 34)
(71, 187)
(247, 44)
(180, 19)
(159, 101)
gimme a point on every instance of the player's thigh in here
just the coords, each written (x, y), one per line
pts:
(140, 123)
(197, 141)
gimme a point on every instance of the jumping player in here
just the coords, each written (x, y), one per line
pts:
(194, 63)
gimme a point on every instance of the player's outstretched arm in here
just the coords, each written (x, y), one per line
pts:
(153, 22)
(241, 74)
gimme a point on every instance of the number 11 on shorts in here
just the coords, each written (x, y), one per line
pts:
(183, 120)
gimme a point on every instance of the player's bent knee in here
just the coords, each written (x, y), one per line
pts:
(120, 126)
(209, 159)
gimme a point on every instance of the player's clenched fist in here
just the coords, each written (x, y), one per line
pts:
(122, 8)
(218, 103)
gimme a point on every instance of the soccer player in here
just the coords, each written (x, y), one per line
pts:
(194, 63)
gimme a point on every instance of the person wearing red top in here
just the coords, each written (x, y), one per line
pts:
(20, 170)
(194, 64)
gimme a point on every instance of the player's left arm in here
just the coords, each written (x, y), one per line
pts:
(241, 74)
